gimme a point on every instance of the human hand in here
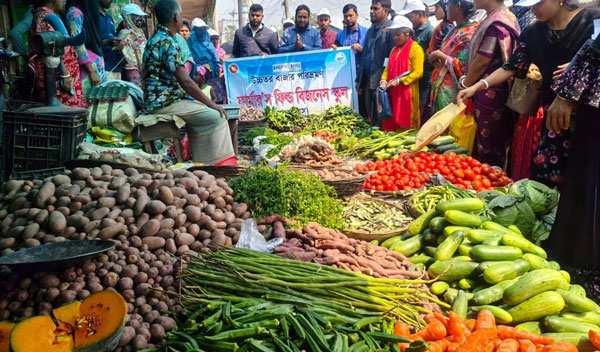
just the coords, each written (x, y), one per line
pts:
(561, 69)
(559, 115)
(334, 47)
(66, 84)
(298, 44)
(221, 111)
(358, 90)
(95, 79)
(383, 84)
(356, 47)
(207, 67)
(117, 44)
(437, 55)
(466, 94)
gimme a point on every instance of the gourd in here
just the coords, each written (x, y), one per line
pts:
(94, 325)
(5, 329)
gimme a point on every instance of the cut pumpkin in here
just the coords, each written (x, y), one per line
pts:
(39, 334)
(5, 329)
(93, 325)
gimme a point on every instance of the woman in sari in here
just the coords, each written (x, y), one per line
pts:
(134, 43)
(492, 44)
(450, 61)
(445, 25)
(68, 83)
(85, 14)
(549, 43)
(401, 77)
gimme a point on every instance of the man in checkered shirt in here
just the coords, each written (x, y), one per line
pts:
(301, 37)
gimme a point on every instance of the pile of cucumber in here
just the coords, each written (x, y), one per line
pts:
(445, 145)
(480, 264)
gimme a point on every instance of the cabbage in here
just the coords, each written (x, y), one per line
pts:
(513, 210)
(541, 198)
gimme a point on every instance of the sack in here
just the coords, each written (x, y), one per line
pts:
(463, 129)
(525, 96)
(117, 114)
(384, 106)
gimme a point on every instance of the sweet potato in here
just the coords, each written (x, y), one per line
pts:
(278, 230)
(155, 207)
(300, 256)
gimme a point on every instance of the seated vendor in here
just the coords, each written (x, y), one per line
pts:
(168, 89)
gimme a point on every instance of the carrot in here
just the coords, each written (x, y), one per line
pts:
(470, 324)
(433, 331)
(560, 347)
(453, 346)
(485, 319)
(526, 346)
(508, 345)
(401, 329)
(477, 340)
(508, 332)
(457, 328)
(594, 337)
(539, 347)
(490, 347)
(442, 318)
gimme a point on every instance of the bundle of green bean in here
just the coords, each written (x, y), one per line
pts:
(429, 198)
(364, 213)
(253, 301)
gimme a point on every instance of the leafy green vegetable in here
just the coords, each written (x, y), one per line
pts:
(255, 132)
(540, 197)
(340, 120)
(510, 210)
(279, 141)
(298, 196)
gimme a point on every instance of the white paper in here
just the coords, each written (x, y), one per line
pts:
(596, 29)
(385, 62)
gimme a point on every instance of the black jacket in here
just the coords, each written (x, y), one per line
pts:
(380, 44)
(244, 45)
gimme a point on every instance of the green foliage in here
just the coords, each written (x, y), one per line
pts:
(340, 120)
(299, 196)
(255, 132)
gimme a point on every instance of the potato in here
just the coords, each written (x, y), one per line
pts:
(44, 195)
(57, 222)
(100, 214)
(80, 173)
(97, 193)
(157, 332)
(194, 229)
(218, 240)
(142, 219)
(91, 226)
(139, 342)
(127, 336)
(192, 199)
(63, 202)
(178, 192)
(107, 202)
(170, 245)
(125, 283)
(7, 242)
(117, 182)
(111, 231)
(167, 323)
(130, 270)
(77, 221)
(68, 296)
(156, 207)
(184, 239)
(220, 202)
(218, 215)
(180, 220)
(150, 228)
(239, 209)
(140, 205)
(40, 218)
(30, 230)
(204, 234)
(52, 294)
(111, 279)
(166, 234)
(193, 213)
(211, 225)
(154, 242)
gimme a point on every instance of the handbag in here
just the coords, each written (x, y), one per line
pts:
(525, 95)
(384, 107)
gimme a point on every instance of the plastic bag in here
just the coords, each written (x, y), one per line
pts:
(186, 150)
(384, 106)
(106, 135)
(250, 238)
(463, 128)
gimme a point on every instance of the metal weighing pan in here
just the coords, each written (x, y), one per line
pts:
(56, 255)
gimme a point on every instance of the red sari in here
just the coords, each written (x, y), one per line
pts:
(69, 61)
(400, 96)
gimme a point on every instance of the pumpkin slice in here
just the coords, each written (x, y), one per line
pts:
(100, 323)
(40, 334)
(5, 329)
(67, 314)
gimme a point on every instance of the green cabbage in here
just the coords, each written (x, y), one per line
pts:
(513, 210)
(541, 198)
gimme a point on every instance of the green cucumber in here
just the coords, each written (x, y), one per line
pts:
(484, 253)
(578, 289)
(450, 295)
(505, 271)
(492, 294)
(446, 249)
(533, 283)
(465, 248)
(390, 241)
(587, 317)
(437, 224)
(429, 237)
(421, 223)
(535, 262)
(531, 326)
(515, 229)
(462, 257)
(460, 305)
(461, 218)
(478, 235)
(464, 204)
(537, 307)
(501, 315)
(575, 302)
(494, 241)
(560, 324)
(554, 265)
(467, 284)
(448, 230)
(570, 337)
(421, 259)
(442, 140)
(439, 287)
(523, 244)
(458, 151)
(566, 275)
(430, 251)
(492, 226)
(484, 265)
(442, 148)
(410, 246)
(452, 270)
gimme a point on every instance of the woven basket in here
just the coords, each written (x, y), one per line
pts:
(344, 187)
(225, 171)
(379, 236)
(245, 126)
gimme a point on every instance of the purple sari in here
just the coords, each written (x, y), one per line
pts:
(495, 38)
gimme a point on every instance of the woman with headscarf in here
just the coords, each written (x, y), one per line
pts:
(68, 83)
(218, 83)
(134, 43)
(450, 61)
(445, 25)
(401, 77)
(492, 44)
(84, 14)
(203, 51)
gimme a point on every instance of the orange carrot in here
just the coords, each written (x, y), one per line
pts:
(594, 337)
(433, 331)
(508, 345)
(497, 343)
(453, 346)
(490, 347)
(442, 318)
(401, 329)
(478, 340)
(457, 328)
(526, 346)
(508, 332)
(539, 347)
(470, 324)
(560, 347)
(485, 320)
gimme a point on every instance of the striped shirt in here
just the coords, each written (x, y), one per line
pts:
(311, 38)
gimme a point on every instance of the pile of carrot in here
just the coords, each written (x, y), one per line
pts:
(451, 334)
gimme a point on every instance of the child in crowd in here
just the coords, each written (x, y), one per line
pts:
(200, 79)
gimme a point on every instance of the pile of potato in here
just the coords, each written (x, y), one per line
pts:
(152, 218)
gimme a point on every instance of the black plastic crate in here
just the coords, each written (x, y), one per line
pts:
(40, 141)
(37, 174)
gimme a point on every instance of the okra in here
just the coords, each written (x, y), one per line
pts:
(238, 334)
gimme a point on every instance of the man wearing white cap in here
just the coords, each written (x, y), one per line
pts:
(416, 12)
(327, 35)
(254, 39)
(287, 23)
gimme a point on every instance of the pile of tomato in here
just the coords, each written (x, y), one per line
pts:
(411, 171)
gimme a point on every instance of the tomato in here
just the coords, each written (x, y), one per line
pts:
(438, 157)
(451, 178)
(406, 188)
(411, 184)
(477, 184)
(412, 167)
(486, 183)
(485, 169)
(459, 173)
(429, 170)
(469, 174)
(435, 171)
(464, 165)
(380, 188)
(426, 178)
(445, 170)
(477, 170)
(493, 177)
(461, 186)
